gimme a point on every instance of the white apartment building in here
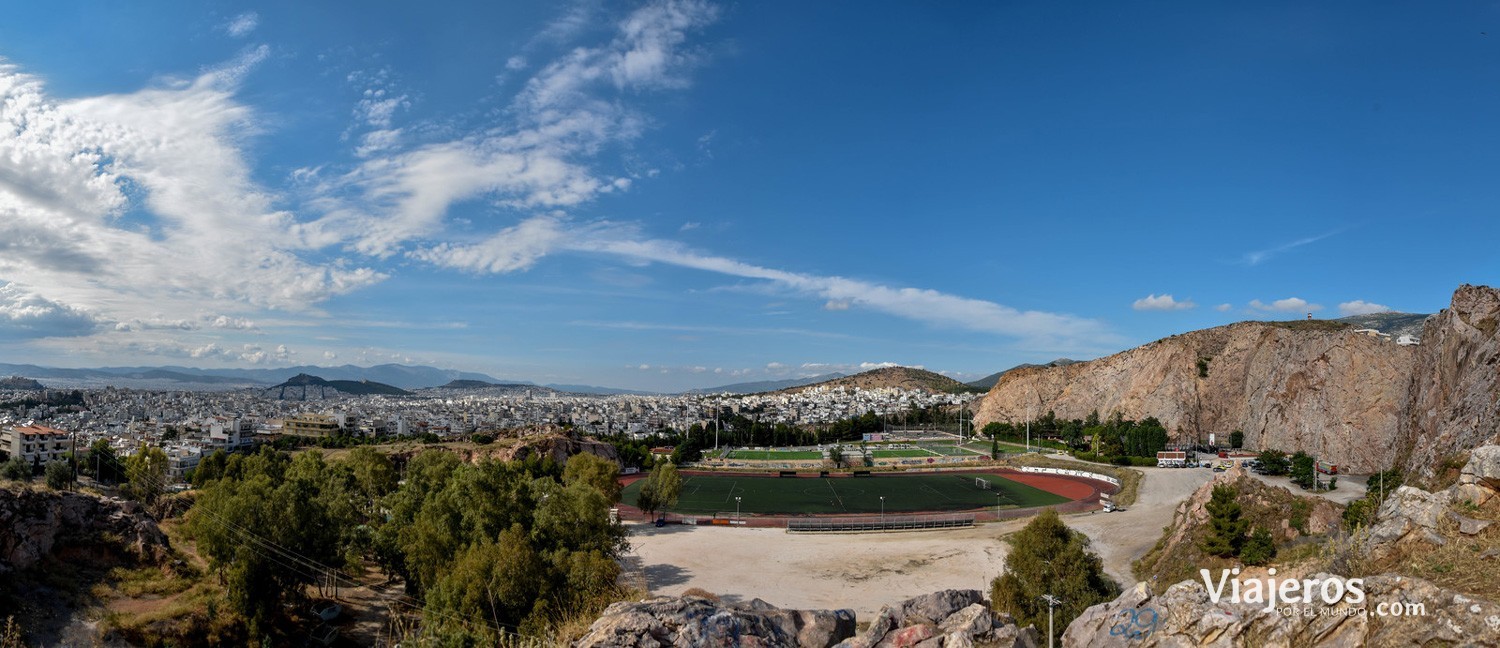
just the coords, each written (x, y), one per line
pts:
(35, 443)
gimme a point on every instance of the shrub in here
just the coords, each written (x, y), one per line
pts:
(17, 469)
(483, 439)
(1259, 549)
(59, 475)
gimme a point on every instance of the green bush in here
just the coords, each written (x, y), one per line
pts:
(17, 469)
(1259, 549)
(483, 439)
(59, 475)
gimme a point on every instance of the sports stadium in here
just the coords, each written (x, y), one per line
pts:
(928, 498)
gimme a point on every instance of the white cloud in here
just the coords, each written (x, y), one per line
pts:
(513, 248)
(241, 25)
(1164, 302)
(140, 208)
(918, 304)
(836, 305)
(562, 116)
(689, 226)
(27, 315)
(1361, 307)
(1288, 305)
(1224, 308)
(515, 63)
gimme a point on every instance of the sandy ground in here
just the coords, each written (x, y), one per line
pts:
(865, 571)
(815, 571)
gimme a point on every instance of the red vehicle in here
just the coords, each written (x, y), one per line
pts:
(1328, 468)
(1223, 454)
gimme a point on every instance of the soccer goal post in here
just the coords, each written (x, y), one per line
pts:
(983, 484)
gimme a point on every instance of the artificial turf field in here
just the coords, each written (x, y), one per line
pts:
(774, 455)
(844, 495)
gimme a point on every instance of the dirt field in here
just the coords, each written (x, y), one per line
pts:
(864, 572)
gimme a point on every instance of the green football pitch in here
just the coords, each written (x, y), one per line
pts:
(899, 453)
(842, 495)
(776, 455)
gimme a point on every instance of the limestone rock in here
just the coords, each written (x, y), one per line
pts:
(1318, 387)
(949, 618)
(34, 523)
(693, 621)
(1185, 615)
(1471, 526)
(1455, 387)
(1484, 465)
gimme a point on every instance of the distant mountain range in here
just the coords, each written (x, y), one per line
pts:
(171, 377)
(989, 381)
(1393, 324)
(766, 385)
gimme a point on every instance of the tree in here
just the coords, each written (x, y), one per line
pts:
(1273, 462)
(595, 471)
(1226, 529)
(994, 448)
(836, 456)
(661, 488)
(1237, 439)
(1383, 483)
(1260, 548)
(1304, 469)
(1047, 557)
(146, 470)
(59, 475)
(210, 468)
(16, 469)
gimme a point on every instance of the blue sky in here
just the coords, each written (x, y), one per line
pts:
(666, 195)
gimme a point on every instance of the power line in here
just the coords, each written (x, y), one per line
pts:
(319, 569)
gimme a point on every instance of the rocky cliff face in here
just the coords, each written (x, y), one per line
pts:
(35, 523)
(1455, 383)
(1314, 386)
(1184, 615)
(1440, 534)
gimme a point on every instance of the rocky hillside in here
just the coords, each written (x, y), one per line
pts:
(1437, 550)
(894, 377)
(19, 383)
(35, 524)
(952, 618)
(1314, 386)
(1286, 515)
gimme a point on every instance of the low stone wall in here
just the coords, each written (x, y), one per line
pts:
(1071, 473)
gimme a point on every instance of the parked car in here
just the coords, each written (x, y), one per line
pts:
(328, 610)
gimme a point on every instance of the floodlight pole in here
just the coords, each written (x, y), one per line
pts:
(737, 507)
(1052, 602)
(882, 512)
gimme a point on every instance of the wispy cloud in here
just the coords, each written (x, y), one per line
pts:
(1162, 303)
(240, 26)
(1259, 256)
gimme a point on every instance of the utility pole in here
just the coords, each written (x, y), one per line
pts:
(1052, 602)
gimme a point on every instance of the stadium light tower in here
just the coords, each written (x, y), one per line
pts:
(1052, 602)
(737, 507)
(882, 511)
